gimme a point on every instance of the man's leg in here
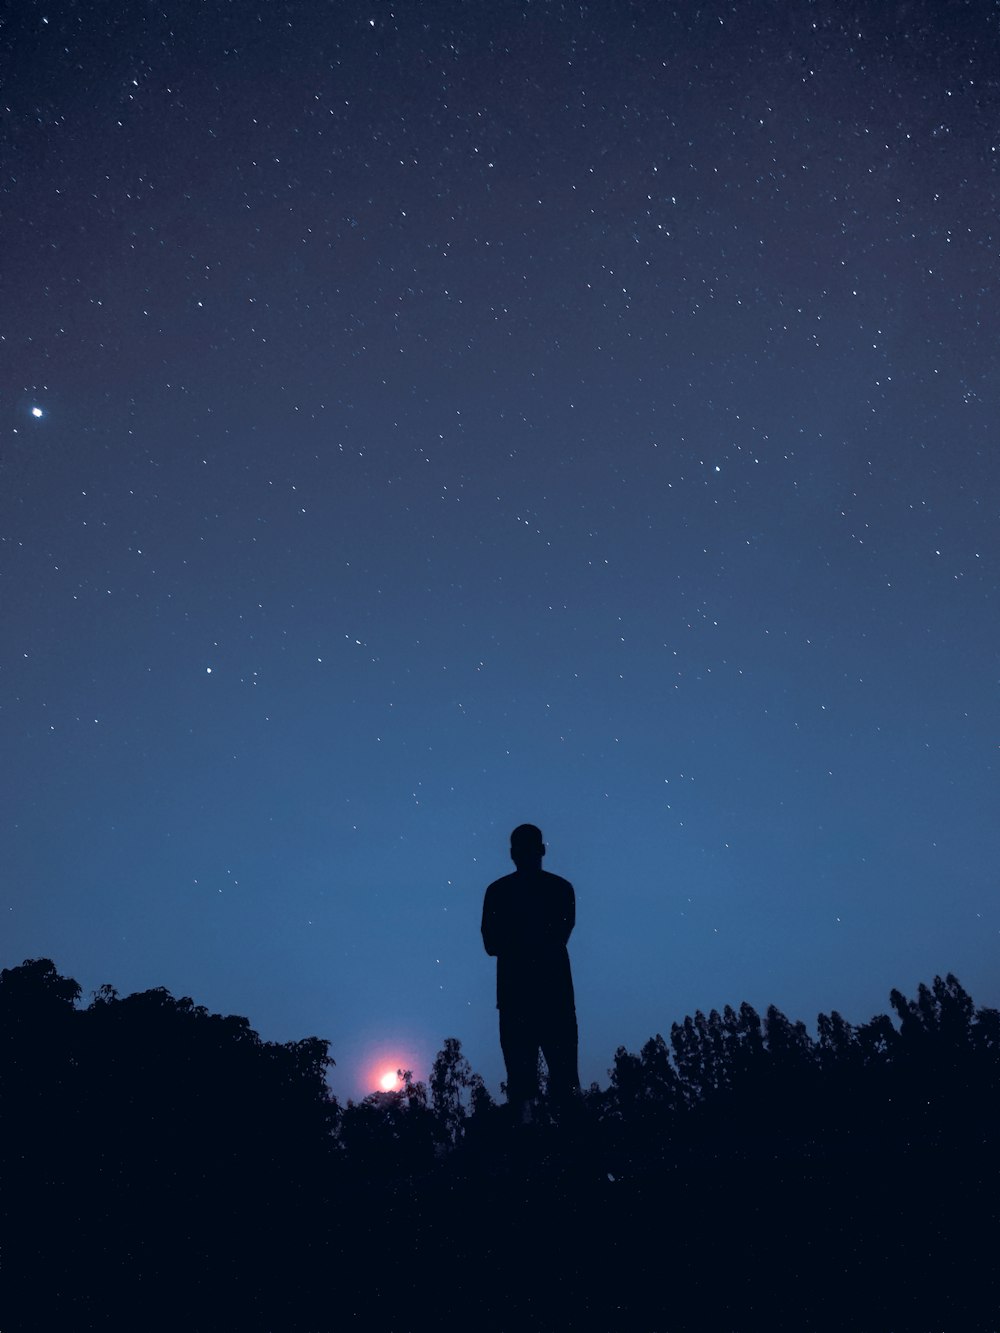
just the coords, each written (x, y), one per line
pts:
(559, 1046)
(519, 1043)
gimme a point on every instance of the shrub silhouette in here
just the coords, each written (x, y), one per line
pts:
(160, 1159)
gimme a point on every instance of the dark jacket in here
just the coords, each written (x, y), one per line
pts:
(527, 919)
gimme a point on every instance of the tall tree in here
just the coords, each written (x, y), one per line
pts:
(451, 1082)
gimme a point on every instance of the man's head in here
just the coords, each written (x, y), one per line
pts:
(527, 847)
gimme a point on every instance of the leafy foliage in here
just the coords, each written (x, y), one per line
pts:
(149, 1146)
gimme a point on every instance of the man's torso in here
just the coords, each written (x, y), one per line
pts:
(527, 919)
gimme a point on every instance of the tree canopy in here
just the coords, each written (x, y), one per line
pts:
(157, 1157)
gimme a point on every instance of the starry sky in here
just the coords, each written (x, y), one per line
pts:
(420, 418)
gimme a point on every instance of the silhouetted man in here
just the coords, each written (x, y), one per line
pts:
(527, 919)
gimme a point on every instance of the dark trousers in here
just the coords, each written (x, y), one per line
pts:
(523, 1033)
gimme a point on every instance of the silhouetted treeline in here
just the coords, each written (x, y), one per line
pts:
(163, 1167)
(734, 1084)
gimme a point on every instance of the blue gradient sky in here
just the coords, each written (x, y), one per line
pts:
(456, 418)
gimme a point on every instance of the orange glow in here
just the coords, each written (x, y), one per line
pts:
(378, 1070)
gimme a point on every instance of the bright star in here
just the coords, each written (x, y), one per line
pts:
(37, 412)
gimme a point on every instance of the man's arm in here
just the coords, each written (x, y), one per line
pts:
(568, 912)
(490, 927)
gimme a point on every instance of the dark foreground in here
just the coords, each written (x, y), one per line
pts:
(548, 1234)
(162, 1168)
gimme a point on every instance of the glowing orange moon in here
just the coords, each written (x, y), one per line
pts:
(381, 1063)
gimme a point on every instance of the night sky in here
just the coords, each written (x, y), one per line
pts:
(420, 419)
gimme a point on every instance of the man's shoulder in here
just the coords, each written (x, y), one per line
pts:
(556, 882)
(500, 884)
(543, 879)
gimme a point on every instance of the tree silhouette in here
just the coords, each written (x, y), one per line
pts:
(149, 1146)
(451, 1082)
